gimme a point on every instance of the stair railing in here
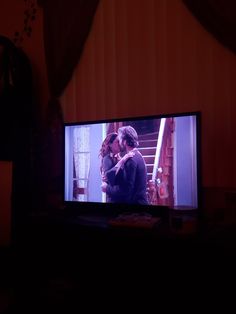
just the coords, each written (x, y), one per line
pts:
(158, 150)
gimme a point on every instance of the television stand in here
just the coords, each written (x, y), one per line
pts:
(135, 220)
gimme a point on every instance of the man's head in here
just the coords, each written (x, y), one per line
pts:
(128, 138)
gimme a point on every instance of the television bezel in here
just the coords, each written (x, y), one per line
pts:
(111, 209)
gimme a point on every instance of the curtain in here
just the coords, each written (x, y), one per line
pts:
(66, 27)
(218, 17)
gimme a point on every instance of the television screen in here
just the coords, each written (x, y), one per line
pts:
(141, 162)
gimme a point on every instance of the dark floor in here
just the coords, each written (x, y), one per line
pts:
(61, 270)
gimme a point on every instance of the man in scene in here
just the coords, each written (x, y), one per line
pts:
(128, 183)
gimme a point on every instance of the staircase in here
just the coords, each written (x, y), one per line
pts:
(147, 147)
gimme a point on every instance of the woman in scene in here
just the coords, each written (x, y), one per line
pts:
(110, 156)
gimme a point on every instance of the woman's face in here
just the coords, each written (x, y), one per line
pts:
(115, 147)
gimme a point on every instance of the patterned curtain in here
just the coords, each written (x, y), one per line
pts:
(81, 152)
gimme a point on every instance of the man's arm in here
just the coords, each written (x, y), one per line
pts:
(125, 186)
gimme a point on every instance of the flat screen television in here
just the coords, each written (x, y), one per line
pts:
(169, 147)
